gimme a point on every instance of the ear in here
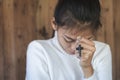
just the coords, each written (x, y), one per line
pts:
(53, 23)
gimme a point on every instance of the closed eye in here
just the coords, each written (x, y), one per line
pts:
(91, 38)
(68, 39)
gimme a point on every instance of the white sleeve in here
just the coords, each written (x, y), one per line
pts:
(104, 66)
(36, 67)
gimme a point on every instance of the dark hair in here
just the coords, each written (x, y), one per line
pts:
(71, 12)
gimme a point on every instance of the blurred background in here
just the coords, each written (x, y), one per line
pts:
(22, 21)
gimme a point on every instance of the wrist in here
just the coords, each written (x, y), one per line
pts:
(88, 71)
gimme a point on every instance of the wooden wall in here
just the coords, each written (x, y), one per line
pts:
(117, 37)
(22, 21)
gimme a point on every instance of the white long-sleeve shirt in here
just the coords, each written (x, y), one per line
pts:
(46, 60)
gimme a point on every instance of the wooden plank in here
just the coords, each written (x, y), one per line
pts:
(117, 36)
(52, 4)
(1, 44)
(101, 32)
(108, 21)
(25, 31)
(51, 7)
(109, 30)
(26, 20)
(42, 19)
(9, 45)
(20, 9)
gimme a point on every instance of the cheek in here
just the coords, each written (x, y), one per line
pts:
(64, 44)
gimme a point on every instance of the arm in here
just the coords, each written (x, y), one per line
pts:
(36, 67)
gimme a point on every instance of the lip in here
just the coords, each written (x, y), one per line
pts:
(72, 52)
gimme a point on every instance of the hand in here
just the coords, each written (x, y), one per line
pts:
(87, 52)
(86, 56)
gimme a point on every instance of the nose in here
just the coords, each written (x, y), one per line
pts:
(73, 47)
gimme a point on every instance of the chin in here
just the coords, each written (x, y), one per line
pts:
(71, 53)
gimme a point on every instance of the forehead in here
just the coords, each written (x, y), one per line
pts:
(79, 29)
(78, 32)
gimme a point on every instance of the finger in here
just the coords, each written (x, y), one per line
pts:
(86, 53)
(86, 41)
(84, 58)
(88, 47)
(77, 54)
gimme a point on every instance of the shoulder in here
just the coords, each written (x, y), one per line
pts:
(34, 45)
(101, 46)
(36, 48)
(102, 50)
(38, 43)
(36, 55)
(98, 43)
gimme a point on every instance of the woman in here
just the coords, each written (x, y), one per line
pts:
(72, 54)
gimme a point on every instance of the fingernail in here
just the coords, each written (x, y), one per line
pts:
(79, 37)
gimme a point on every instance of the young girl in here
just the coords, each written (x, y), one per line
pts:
(72, 54)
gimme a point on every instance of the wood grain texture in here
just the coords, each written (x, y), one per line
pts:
(117, 37)
(107, 17)
(22, 21)
(9, 44)
(25, 31)
(1, 44)
(43, 16)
